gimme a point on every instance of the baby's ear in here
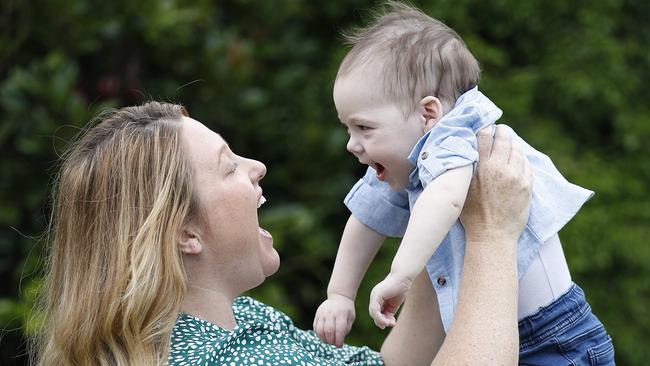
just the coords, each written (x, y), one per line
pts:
(188, 242)
(431, 111)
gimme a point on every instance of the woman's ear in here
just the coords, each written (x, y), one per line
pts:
(431, 111)
(189, 242)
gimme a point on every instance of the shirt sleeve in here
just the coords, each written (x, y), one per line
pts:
(451, 143)
(377, 206)
(447, 147)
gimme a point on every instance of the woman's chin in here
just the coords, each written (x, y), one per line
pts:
(274, 265)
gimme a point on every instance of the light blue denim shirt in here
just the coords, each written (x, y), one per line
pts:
(451, 144)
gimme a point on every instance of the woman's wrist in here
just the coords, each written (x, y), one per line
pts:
(489, 234)
(492, 245)
(497, 248)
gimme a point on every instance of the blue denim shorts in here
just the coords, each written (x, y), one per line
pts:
(565, 332)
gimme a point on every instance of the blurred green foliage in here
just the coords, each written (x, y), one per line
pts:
(571, 77)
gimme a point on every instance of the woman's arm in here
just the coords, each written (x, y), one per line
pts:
(484, 330)
(418, 334)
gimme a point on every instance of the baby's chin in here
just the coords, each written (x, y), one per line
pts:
(400, 183)
(396, 186)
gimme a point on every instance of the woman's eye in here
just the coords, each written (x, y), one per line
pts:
(233, 168)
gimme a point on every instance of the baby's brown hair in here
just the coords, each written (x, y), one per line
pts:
(421, 56)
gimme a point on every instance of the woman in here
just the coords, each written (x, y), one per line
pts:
(154, 235)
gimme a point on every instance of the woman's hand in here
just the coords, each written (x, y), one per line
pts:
(484, 330)
(498, 201)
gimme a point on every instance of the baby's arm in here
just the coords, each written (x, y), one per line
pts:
(334, 317)
(359, 245)
(435, 211)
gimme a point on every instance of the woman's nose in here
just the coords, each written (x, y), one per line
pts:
(257, 171)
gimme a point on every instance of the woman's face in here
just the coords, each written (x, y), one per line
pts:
(233, 248)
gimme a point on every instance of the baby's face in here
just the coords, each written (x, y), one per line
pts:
(380, 136)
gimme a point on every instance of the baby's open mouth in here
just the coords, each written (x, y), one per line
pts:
(380, 171)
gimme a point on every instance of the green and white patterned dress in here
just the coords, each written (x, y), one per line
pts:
(263, 336)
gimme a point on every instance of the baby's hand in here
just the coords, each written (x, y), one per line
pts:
(386, 298)
(334, 319)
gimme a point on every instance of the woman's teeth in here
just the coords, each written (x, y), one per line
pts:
(261, 201)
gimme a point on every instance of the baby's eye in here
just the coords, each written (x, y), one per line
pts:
(363, 128)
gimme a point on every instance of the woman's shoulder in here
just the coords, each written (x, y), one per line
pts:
(247, 309)
(194, 340)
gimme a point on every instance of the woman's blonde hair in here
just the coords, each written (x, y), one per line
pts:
(115, 281)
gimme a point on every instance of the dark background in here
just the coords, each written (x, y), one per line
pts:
(571, 77)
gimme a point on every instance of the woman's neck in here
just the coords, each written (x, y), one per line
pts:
(210, 305)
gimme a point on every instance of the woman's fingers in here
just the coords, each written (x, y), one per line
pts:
(501, 144)
(484, 141)
(528, 173)
(516, 159)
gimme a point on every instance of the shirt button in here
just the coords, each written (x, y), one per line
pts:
(441, 281)
(424, 155)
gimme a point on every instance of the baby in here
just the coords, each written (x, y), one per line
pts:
(407, 93)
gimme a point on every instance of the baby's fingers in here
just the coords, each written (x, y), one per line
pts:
(380, 320)
(341, 330)
(316, 319)
(319, 328)
(374, 308)
(390, 321)
(330, 326)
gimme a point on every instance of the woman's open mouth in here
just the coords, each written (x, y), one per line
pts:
(260, 201)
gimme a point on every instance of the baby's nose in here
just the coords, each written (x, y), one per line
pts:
(354, 147)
